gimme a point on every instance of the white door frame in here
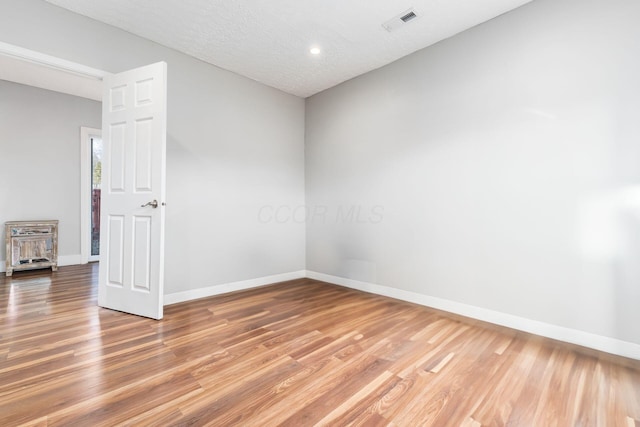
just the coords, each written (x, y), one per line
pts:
(86, 135)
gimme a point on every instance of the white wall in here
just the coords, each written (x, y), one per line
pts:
(499, 168)
(233, 146)
(40, 160)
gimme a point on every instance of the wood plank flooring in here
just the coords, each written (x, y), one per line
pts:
(298, 353)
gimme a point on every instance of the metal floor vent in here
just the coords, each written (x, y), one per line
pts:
(400, 20)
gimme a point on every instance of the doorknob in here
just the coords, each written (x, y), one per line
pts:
(153, 204)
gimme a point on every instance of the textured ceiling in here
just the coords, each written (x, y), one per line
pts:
(269, 41)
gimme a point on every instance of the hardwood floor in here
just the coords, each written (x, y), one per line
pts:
(296, 353)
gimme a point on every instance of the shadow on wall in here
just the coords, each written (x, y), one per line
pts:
(610, 232)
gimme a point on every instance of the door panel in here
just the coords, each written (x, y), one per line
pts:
(143, 153)
(134, 126)
(115, 252)
(116, 153)
(141, 253)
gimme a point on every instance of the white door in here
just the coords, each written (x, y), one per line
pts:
(134, 123)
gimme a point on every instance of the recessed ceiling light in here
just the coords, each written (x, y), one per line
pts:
(314, 50)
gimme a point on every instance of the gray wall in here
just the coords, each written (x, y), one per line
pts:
(233, 146)
(40, 159)
(499, 168)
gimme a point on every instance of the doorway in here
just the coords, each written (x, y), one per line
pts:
(96, 185)
(127, 219)
(91, 183)
(30, 68)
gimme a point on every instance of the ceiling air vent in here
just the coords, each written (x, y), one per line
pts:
(400, 20)
(408, 17)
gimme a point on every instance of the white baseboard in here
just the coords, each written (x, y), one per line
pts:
(574, 336)
(177, 297)
(63, 260)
